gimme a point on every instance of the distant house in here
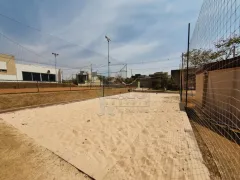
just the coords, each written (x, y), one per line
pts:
(87, 78)
(145, 82)
(12, 71)
(176, 77)
(153, 81)
(82, 77)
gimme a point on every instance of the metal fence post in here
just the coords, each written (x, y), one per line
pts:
(103, 88)
(37, 86)
(181, 80)
(187, 64)
(18, 84)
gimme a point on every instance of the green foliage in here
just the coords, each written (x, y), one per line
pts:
(128, 80)
(74, 81)
(118, 79)
(160, 80)
(157, 87)
(199, 57)
(227, 46)
(101, 78)
(228, 43)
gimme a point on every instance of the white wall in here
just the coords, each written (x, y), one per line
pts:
(28, 68)
(3, 65)
(33, 68)
(8, 77)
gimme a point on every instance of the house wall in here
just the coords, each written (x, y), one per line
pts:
(219, 97)
(199, 88)
(191, 78)
(34, 68)
(8, 77)
(14, 71)
(11, 67)
(146, 83)
(175, 75)
(10, 63)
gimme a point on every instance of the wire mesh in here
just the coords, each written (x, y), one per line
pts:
(213, 92)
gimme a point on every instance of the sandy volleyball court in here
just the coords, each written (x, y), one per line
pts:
(130, 136)
(22, 159)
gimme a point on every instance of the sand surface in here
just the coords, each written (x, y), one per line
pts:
(130, 136)
(22, 159)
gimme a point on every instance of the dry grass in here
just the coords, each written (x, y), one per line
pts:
(10, 101)
(221, 155)
(44, 89)
(225, 153)
(207, 156)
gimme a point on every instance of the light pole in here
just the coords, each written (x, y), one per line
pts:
(108, 40)
(55, 55)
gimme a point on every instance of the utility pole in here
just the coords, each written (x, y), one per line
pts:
(108, 40)
(131, 72)
(62, 75)
(126, 71)
(234, 51)
(71, 83)
(55, 55)
(187, 63)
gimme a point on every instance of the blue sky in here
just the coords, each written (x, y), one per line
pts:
(140, 30)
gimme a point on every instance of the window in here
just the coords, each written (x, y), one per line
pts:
(27, 76)
(3, 65)
(32, 76)
(36, 76)
(45, 77)
(52, 77)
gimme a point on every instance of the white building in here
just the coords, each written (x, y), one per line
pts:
(11, 71)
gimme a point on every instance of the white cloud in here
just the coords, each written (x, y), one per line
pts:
(133, 50)
(87, 23)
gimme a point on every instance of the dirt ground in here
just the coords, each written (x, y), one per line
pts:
(23, 159)
(207, 156)
(11, 101)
